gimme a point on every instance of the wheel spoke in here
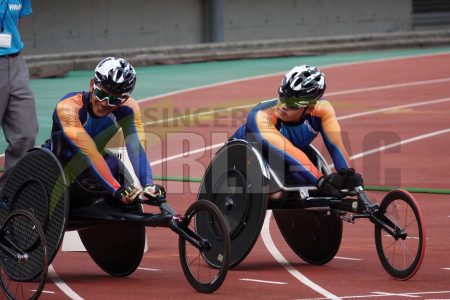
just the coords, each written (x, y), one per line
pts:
(402, 257)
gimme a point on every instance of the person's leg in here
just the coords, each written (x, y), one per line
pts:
(4, 93)
(19, 121)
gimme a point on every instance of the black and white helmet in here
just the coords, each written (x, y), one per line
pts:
(116, 76)
(302, 86)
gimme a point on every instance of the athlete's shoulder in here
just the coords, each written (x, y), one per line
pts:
(72, 100)
(323, 108)
(265, 104)
(130, 104)
(68, 108)
(129, 108)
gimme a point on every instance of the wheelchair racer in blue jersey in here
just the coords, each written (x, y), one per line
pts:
(286, 126)
(84, 122)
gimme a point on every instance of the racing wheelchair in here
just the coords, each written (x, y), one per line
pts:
(243, 185)
(112, 233)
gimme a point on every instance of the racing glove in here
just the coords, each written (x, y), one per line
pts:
(154, 191)
(352, 179)
(330, 185)
(127, 194)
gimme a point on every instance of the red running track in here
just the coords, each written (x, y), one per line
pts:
(356, 272)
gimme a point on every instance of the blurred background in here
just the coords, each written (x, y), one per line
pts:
(67, 35)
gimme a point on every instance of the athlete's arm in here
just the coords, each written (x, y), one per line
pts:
(331, 133)
(66, 115)
(133, 131)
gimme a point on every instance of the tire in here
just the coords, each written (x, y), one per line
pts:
(235, 183)
(313, 235)
(401, 258)
(205, 270)
(23, 279)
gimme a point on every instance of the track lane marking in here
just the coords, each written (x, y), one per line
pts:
(273, 250)
(396, 295)
(379, 295)
(65, 288)
(402, 142)
(347, 258)
(263, 281)
(149, 269)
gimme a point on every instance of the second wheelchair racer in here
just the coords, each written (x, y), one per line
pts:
(84, 122)
(285, 127)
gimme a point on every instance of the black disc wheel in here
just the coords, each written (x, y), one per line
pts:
(401, 254)
(314, 236)
(23, 255)
(207, 267)
(235, 183)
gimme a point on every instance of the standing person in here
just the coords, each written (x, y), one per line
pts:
(84, 122)
(17, 105)
(286, 126)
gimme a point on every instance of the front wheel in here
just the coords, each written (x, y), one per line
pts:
(401, 257)
(205, 269)
(23, 256)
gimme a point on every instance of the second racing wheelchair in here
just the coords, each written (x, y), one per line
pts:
(244, 186)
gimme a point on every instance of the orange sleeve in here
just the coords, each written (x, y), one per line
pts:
(332, 133)
(266, 120)
(67, 112)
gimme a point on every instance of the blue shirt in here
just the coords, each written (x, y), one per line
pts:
(16, 9)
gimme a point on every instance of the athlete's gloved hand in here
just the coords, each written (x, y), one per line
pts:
(330, 185)
(127, 193)
(154, 191)
(352, 179)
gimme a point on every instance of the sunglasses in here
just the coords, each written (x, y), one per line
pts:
(294, 103)
(112, 100)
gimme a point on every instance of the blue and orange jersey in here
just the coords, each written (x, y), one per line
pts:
(85, 135)
(285, 141)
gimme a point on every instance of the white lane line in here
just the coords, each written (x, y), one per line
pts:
(268, 242)
(149, 269)
(397, 295)
(346, 258)
(184, 154)
(390, 86)
(262, 281)
(447, 269)
(376, 111)
(62, 285)
(403, 142)
(381, 295)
